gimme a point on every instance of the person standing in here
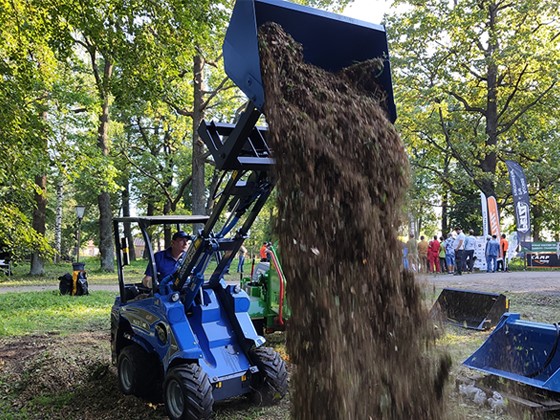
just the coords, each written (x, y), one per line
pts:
(412, 247)
(263, 252)
(504, 245)
(449, 253)
(470, 245)
(433, 255)
(242, 253)
(459, 247)
(423, 255)
(168, 259)
(441, 255)
(492, 252)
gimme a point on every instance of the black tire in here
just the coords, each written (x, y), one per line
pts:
(187, 393)
(139, 373)
(270, 385)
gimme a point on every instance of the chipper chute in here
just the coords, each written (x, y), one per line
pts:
(470, 309)
(331, 42)
(521, 351)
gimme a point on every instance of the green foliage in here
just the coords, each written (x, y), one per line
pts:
(476, 82)
(17, 238)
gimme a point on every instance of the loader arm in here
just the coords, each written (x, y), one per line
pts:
(240, 150)
(331, 42)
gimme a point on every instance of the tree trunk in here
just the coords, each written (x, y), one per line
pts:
(58, 220)
(167, 228)
(126, 226)
(212, 188)
(149, 212)
(488, 164)
(104, 199)
(39, 220)
(198, 176)
(537, 222)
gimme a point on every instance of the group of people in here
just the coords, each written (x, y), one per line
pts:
(496, 253)
(454, 254)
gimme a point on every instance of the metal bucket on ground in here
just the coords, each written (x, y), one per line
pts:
(330, 41)
(470, 309)
(522, 351)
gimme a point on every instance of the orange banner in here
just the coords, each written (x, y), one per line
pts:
(493, 216)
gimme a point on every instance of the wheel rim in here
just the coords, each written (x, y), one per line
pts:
(126, 376)
(175, 399)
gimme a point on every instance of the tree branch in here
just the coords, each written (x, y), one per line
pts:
(465, 103)
(524, 109)
(514, 91)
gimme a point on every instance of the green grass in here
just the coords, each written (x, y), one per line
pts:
(41, 312)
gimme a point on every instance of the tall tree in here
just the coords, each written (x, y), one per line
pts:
(471, 75)
(26, 70)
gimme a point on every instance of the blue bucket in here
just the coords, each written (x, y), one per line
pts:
(330, 41)
(521, 351)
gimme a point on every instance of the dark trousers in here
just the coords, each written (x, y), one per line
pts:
(469, 260)
(443, 265)
(501, 266)
(459, 260)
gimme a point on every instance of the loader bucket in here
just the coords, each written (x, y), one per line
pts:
(470, 309)
(330, 41)
(521, 351)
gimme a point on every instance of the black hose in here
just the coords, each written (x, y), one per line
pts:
(550, 355)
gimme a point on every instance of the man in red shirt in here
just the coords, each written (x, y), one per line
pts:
(263, 252)
(433, 255)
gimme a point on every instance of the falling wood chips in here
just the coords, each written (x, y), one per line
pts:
(358, 336)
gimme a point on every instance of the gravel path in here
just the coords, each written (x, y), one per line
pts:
(515, 282)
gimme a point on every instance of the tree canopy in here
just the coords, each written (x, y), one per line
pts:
(475, 83)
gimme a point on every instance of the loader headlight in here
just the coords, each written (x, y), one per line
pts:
(174, 297)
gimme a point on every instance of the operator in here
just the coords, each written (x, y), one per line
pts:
(166, 260)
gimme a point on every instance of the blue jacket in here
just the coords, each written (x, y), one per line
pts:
(493, 248)
(165, 263)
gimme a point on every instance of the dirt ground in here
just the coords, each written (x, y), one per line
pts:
(512, 282)
(71, 377)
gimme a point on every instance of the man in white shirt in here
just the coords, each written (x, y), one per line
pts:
(459, 246)
(470, 245)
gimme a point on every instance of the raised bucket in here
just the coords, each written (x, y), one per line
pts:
(330, 41)
(521, 351)
(470, 309)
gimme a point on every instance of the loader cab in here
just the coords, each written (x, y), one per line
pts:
(144, 231)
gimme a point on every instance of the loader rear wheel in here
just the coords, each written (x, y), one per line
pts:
(187, 393)
(138, 373)
(271, 384)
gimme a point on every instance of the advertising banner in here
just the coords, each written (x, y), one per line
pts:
(543, 260)
(520, 194)
(544, 247)
(484, 206)
(493, 216)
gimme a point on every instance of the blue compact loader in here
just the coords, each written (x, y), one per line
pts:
(189, 338)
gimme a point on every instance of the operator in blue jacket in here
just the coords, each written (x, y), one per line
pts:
(166, 260)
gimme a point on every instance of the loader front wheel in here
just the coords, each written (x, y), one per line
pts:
(270, 385)
(187, 393)
(138, 373)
